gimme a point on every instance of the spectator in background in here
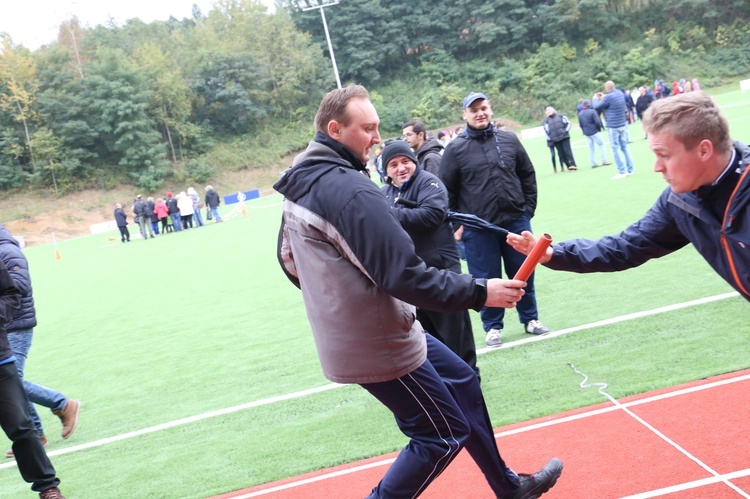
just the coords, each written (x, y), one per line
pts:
(615, 109)
(143, 217)
(557, 127)
(185, 204)
(429, 151)
(153, 217)
(162, 214)
(591, 126)
(476, 159)
(552, 150)
(197, 205)
(213, 200)
(644, 101)
(121, 219)
(174, 212)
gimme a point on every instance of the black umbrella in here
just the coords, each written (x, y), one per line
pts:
(474, 222)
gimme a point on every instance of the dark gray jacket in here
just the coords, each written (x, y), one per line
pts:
(359, 275)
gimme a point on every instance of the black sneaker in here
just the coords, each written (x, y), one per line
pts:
(533, 486)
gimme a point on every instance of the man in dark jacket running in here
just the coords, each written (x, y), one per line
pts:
(361, 279)
(488, 174)
(429, 151)
(707, 203)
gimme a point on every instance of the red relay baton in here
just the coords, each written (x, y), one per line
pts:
(533, 258)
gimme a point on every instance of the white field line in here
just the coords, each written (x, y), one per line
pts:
(384, 462)
(303, 393)
(693, 485)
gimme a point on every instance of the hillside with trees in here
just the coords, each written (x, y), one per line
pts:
(236, 88)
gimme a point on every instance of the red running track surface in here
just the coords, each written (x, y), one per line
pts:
(607, 452)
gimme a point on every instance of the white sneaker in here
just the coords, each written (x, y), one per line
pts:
(535, 326)
(630, 173)
(493, 338)
(619, 175)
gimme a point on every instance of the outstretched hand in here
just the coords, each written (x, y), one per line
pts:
(504, 293)
(525, 242)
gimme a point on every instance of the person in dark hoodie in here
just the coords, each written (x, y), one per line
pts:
(33, 463)
(591, 126)
(419, 202)
(429, 151)
(20, 329)
(121, 219)
(361, 279)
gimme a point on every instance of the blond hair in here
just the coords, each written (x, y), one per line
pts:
(333, 106)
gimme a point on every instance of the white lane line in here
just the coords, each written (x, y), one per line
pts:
(692, 485)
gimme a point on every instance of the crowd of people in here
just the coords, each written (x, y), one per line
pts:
(173, 212)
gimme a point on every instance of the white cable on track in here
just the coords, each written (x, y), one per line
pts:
(603, 386)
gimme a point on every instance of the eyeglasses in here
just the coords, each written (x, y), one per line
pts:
(409, 134)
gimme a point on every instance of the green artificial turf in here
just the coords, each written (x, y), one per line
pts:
(149, 333)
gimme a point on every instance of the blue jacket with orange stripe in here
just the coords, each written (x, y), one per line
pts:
(714, 219)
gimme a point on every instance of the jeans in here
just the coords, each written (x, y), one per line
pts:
(20, 343)
(198, 217)
(176, 221)
(15, 420)
(215, 213)
(594, 141)
(440, 407)
(145, 224)
(485, 252)
(618, 138)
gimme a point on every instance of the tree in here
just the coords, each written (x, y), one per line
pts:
(18, 86)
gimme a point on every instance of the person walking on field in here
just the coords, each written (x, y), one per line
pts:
(557, 127)
(707, 203)
(20, 332)
(213, 200)
(360, 284)
(33, 463)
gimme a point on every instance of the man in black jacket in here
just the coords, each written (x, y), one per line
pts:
(488, 174)
(429, 151)
(213, 200)
(33, 463)
(591, 126)
(174, 212)
(420, 204)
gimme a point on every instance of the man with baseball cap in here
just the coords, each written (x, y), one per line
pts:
(487, 173)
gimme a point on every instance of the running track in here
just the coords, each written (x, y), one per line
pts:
(685, 442)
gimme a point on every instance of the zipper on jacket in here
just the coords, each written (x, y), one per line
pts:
(725, 224)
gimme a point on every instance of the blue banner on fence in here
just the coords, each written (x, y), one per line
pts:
(241, 196)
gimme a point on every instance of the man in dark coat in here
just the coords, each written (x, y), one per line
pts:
(174, 212)
(213, 200)
(591, 126)
(429, 151)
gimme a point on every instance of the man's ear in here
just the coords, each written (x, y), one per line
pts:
(705, 149)
(334, 129)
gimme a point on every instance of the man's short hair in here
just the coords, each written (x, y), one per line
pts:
(690, 117)
(333, 106)
(417, 126)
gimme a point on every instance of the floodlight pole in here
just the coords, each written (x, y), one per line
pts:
(328, 37)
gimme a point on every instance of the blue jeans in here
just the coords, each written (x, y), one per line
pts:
(440, 407)
(176, 221)
(215, 213)
(485, 252)
(197, 217)
(20, 343)
(594, 141)
(618, 138)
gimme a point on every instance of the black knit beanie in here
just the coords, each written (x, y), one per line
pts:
(396, 148)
